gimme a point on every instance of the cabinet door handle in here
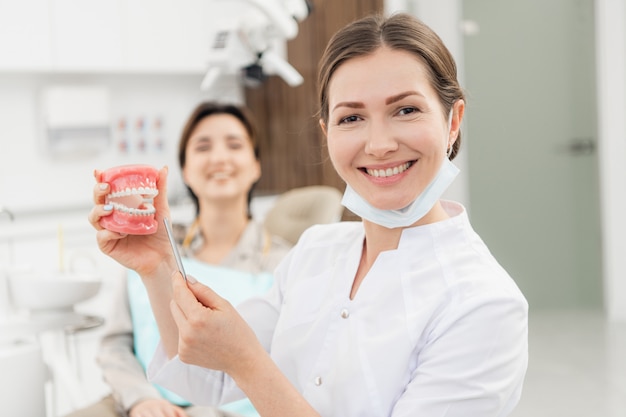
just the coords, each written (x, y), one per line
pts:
(581, 146)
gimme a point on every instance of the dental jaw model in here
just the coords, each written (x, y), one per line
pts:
(132, 191)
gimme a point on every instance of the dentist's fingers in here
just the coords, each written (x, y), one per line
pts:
(206, 296)
(177, 314)
(183, 297)
(179, 292)
(160, 201)
(96, 213)
(198, 326)
(211, 333)
(193, 294)
(100, 190)
(191, 314)
(108, 240)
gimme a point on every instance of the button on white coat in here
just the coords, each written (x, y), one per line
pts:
(345, 314)
(318, 380)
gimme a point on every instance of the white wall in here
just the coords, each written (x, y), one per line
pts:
(611, 66)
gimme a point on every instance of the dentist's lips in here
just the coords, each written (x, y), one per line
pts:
(132, 190)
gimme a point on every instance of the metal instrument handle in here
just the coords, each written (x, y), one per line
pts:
(170, 235)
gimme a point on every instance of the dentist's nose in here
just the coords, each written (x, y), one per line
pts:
(380, 140)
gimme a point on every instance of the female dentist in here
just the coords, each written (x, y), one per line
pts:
(403, 314)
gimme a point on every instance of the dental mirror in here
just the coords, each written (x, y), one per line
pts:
(170, 235)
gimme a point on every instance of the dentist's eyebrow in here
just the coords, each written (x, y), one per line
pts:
(349, 104)
(389, 100)
(398, 97)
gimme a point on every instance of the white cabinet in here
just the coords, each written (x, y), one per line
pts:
(153, 36)
(25, 34)
(163, 35)
(86, 35)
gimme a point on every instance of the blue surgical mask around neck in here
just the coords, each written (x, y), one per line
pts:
(413, 212)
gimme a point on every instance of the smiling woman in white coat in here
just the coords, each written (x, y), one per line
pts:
(405, 313)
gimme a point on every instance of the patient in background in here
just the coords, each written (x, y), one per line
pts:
(219, 159)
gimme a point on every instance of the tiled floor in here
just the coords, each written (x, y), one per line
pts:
(577, 366)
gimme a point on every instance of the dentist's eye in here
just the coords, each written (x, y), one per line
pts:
(408, 110)
(350, 119)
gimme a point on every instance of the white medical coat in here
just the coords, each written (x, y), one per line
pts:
(437, 328)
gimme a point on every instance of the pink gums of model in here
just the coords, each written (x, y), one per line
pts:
(132, 191)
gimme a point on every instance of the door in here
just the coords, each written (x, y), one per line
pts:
(531, 132)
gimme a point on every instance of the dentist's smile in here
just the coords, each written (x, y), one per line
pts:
(389, 171)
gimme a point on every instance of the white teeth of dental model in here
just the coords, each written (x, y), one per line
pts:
(151, 192)
(389, 171)
(134, 201)
(147, 211)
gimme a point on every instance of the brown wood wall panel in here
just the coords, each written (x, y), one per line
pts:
(293, 152)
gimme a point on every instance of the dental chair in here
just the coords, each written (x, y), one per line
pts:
(297, 209)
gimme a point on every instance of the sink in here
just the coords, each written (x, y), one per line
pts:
(51, 291)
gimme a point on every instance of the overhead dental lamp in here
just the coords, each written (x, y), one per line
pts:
(252, 45)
